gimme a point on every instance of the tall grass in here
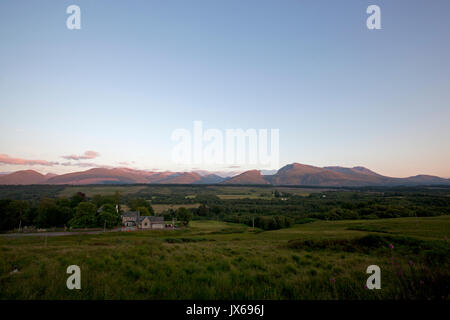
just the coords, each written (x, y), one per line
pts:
(216, 260)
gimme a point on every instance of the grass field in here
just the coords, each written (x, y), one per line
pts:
(231, 193)
(243, 196)
(224, 192)
(160, 208)
(103, 190)
(217, 260)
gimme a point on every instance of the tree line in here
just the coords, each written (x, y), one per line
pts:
(77, 211)
(279, 212)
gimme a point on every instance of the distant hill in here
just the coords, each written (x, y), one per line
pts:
(294, 174)
(157, 177)
(420, 180)
(99, 176)
(211, 179)
(357, 171)
(183, 178)
(22, 177)
(300, 174)
(248, 177)
(50, 175)
(297, 174)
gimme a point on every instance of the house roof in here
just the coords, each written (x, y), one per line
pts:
(153, 219)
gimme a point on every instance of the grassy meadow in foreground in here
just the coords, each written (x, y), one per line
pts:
(218, 260)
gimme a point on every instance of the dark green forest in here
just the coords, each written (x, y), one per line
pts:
(263, 207)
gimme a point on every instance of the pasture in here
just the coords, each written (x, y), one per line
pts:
(219, 260)
(160, 208)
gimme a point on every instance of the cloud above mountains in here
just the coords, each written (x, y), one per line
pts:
(87, 155)
(85, 165)
(4, 158)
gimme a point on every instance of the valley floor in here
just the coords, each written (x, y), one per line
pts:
(217, 260)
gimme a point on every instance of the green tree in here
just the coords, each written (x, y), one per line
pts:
(51, 213)
(8, 220)
(31, 215)
(108, 216)
(203, 210)
(85, 216)
(136, 203)
(19, 210)
(143, 211)
(117, 197)
(100, 200)
(77, 198)
(184, 215)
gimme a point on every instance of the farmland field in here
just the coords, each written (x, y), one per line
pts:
(104, 190)
(220, 260)
(231, 242)
(160, 208)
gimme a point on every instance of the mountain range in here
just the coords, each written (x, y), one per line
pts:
(294, 174)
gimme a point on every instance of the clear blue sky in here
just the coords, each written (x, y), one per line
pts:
(340, 94)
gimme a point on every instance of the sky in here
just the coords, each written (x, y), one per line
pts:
(112, 93)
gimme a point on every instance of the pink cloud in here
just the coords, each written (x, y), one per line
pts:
(87, 155)
(85, 165)
(4, 158)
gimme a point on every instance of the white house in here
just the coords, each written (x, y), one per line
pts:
(132, 220)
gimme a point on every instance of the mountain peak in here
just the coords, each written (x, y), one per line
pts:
(22, 177)
(248, 177)
(292, 174)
